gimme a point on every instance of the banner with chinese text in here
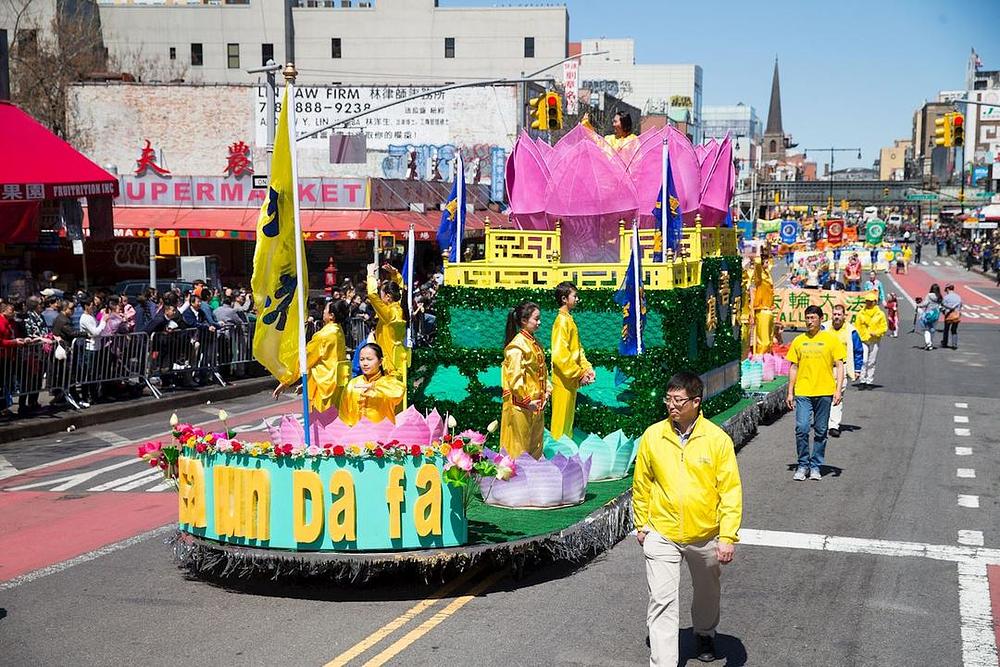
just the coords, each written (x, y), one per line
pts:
(790, 304)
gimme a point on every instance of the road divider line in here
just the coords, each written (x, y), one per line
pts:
(963, 406)
(988, 298)
(979, 647)
(968, 501)
(435, 620)
(84, 558)
(401, 620)
(6, 469)
(960, 419)
(972, 538)
(963, 451)
(899, 288)
(964, 432)
(966, 473)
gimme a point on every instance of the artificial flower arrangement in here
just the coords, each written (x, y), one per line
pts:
(464, 454)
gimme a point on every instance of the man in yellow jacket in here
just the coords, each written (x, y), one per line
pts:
(687, 502)
(871, 325)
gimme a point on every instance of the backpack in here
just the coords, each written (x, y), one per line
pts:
(931, 317)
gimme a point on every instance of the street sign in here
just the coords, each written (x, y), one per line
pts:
(260, 181)
(922, 197)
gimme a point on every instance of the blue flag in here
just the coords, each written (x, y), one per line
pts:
(789, 231)
(451, 230)
(729, 219)
(746, 229)
(632, 298)
(674, 223)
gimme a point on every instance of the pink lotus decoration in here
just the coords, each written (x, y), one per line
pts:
(557, 482)
(589, 187)
(411, 428)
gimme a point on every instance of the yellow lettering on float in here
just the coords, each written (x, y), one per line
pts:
(427, 508)
(343, 512)
(191, 492)
(256, 515)
(307, 482)
(228, 486)
(394, 497)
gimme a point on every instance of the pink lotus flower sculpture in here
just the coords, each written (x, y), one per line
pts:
(589, 187)
(411, 428)
(557, 482)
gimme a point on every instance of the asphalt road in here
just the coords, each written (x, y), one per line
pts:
(892, 482)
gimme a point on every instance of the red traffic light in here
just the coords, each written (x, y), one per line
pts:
(958, 120)
(552, 100)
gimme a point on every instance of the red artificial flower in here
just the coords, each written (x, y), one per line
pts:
(447, 437)
(378, 452)
(415, 450)
(338, 450)
(237, 447)
(201, 447)
(286, 449)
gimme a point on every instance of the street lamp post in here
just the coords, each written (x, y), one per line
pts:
(832, 150)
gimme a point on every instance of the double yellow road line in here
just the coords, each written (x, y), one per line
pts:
(413, 612)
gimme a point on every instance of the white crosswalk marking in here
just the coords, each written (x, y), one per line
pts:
(154, 475)
(161, 487)
(6, 469)
(925, 263)
(973, 538)
(936, 263)
(68, 482)
(147, 475)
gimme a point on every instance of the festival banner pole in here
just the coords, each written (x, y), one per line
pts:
(300, 264)
(409, 285)
(638, 287)
(460, 201)
(664, 201)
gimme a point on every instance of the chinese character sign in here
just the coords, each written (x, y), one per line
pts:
(275, 279)
(790, 304)
(147, 160)
(238, 163)
(571, 81)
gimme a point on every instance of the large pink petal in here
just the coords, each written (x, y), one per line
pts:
(717, 186)
(685, 170)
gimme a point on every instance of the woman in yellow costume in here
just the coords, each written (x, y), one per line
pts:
(621, 124)
(763, 303)
(570, 368)
(326, 359)
(525, 381)
(390, 331)
(373, 394)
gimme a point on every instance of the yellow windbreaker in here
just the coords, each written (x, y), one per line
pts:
(688, 493)
(871, 324)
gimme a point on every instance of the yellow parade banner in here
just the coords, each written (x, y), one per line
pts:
(790, 304)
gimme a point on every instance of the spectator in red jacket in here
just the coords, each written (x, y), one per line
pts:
(8, 355)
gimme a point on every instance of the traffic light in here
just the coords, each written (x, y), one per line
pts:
(942, 131)
(957, 129)
(169, 245)
(537, 105)
(553, 110)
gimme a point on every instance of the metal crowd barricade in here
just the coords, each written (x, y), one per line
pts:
(102, 359)
(358, 331)
(178, 354)
(24, 369)
(235, 348)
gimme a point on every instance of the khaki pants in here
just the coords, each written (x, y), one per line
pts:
(663, 575)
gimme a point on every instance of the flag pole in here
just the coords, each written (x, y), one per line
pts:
(409, 285)
(300, 265)
(664, 202)
(636, 278)
(460, 201)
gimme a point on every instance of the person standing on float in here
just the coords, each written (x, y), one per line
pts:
(326, 359)
(390, 331)
(525, 382)
(570, 368)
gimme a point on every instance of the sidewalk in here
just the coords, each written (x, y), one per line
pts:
(46, 422)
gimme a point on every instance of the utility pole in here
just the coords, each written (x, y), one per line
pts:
(269, 71)
(289, 31)
(4, 67)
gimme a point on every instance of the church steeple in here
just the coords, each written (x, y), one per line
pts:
(774, 111)
(774, 135)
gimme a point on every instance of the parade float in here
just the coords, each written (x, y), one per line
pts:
(314, 496)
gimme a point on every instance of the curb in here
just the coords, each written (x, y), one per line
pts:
(31, 428)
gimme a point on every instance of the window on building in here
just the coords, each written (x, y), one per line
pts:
(774, 146)
(197, 58)
(173, 53)
(233, 56)
(335, 49)
(27, 42)
(266, 53)
(529, 47)
(449, 47)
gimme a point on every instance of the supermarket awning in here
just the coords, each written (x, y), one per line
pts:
(317, 225)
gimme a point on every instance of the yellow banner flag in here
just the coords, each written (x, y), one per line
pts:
(275, 279)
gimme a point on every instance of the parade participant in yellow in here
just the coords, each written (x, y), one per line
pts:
(871, 325)
(525, 381)
(570, 368)
(373, 394)
(763, 302)
(621, 123)
(326, 359)
(390, 332)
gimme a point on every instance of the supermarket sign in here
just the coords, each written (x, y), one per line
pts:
(227, 192)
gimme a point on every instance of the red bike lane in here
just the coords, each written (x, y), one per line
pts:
(977, 306)
(58, 518)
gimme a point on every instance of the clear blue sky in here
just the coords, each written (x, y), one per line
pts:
(852, 72)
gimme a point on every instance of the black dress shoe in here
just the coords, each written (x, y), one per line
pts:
(706, 648)
(834, 432)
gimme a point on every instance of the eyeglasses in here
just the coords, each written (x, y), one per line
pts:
(678, 402)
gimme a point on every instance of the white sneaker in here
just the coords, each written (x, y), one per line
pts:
(814, 474)
(800, 475)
